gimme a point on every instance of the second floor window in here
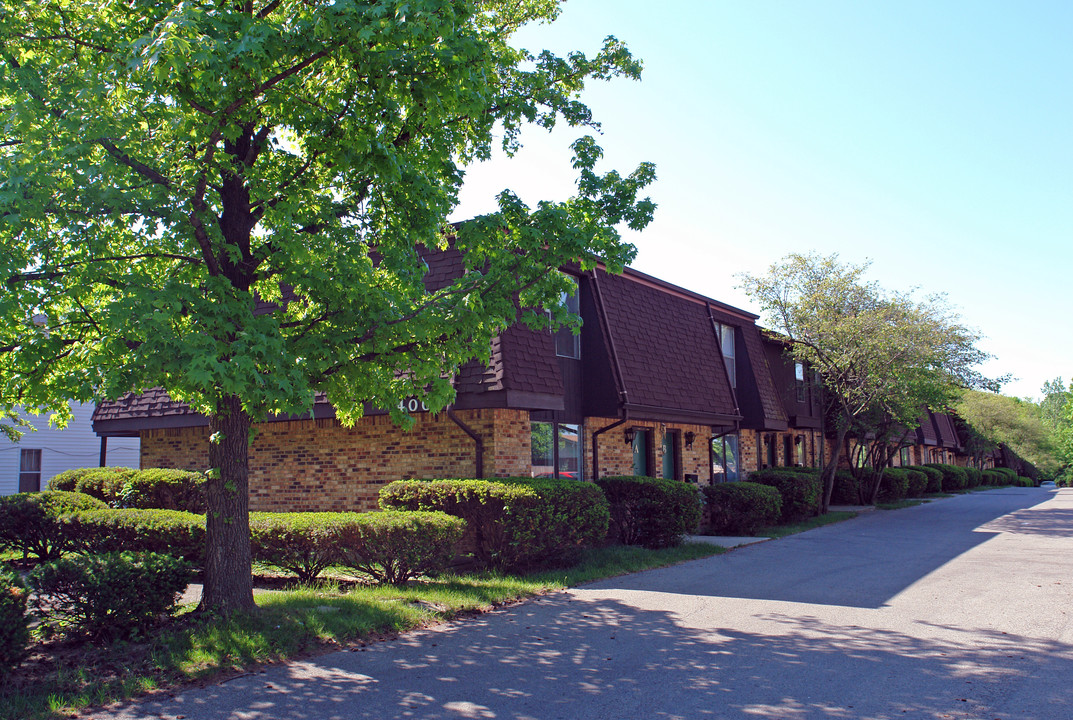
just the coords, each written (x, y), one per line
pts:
(799, 381)
(726, 343)
(567, 344)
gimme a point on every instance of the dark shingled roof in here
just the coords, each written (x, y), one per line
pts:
(926, 433)
(948, 436)
(666, 348)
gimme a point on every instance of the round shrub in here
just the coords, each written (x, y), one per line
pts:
(990, 477)
(847, 490)
(109, 596)
(105, 483)
(302, 543)
(800, 492)
(974, 475)
(935, 477)
(14, 625)
(1026, 481)
(954, 477)
(652, 512)
(395, 546)
(894, 486)
(512, 523)
(741, 508)
(169, 532)
(164, 488)
(29, 522)
(917, 482)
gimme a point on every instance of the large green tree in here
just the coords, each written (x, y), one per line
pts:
(883, 356)
(166, 168)
(1015, 422)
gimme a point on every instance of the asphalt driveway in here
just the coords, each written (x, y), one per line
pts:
(960, 608)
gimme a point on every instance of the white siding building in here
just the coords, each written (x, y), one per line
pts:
(38, 456)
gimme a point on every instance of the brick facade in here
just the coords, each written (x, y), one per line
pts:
(616, 456)
(319, 465)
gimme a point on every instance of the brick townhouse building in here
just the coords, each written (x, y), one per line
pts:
(660, 381)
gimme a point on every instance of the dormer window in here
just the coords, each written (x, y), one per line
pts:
(567, 344)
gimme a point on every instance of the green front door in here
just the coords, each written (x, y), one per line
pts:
(640, 452)
(668, 456)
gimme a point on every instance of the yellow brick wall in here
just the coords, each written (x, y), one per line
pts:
(616, 457)
(319, 465)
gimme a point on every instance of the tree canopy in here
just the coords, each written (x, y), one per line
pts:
(1014, 422)
(884, 357)
(232, 201)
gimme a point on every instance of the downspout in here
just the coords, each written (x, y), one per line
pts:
(623, 398)
(478, 441)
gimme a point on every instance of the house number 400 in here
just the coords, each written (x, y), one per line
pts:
(413, 405)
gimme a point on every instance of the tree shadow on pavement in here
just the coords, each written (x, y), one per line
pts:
(563, 657)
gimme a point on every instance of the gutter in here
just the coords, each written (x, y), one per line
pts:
(478, 441)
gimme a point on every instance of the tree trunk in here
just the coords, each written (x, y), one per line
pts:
(830, 467)
(228, 572)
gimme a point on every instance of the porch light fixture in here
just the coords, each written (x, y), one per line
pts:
(689, 438)
(628, 434)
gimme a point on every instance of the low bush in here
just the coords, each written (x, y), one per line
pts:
(516, 523)
(303, 544)
(1026, 481)
(917, 482)
(651, 512)
(894, 486)
(108, 596)
(846, 490)
(954, 477)
(169, 532)
(394, 546)
(800, 491)
(1009, 475)
(990, 477)
(105, 483)
(14, 625)
(935, 477)
(30, 522)
(741, 508)
(165, 489)
(974, 475)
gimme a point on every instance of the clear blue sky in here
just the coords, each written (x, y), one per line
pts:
(933, 138)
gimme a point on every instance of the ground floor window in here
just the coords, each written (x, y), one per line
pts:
(556, 450)
(29, 470)
(802, 450)
(725, 465)
(905, 458)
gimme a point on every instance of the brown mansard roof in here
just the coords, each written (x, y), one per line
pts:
(666, 351)
(670, 361)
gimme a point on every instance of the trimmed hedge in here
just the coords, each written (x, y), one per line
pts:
(105, 483)
(954, 477)
(153, 488)
(165, 489)
(30, 522)
(800, 491)
(303, 543)
(14, 624)
(846, 490)
(516, 523)
(648, 511)
(974, 475)
(918, 482)
(741, 508)
(393, 546)
(113, 595)
(935, 477)
(894, 486)
(169, 532)
(1026, 481)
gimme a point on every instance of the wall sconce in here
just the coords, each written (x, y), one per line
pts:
(690, 437)
(628, 434)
